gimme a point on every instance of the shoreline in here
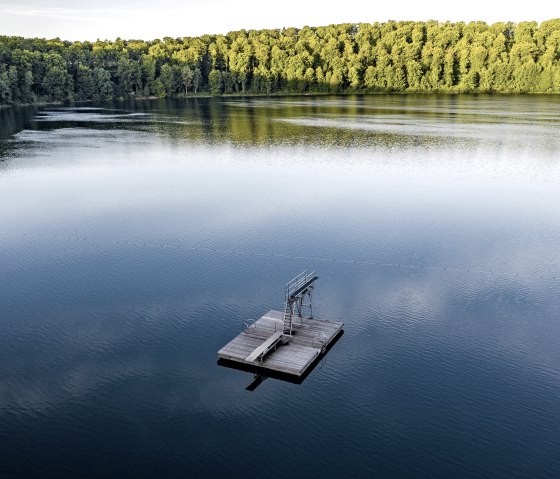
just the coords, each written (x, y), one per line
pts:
(276, 95)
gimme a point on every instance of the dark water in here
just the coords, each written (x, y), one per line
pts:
(136, 239)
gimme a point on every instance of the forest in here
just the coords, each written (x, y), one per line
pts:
(421, 57)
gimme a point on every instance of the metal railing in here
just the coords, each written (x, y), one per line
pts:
(320, 340)
(295, 290)
(294, 284)
(249, 323)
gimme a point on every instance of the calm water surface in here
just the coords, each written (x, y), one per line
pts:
(135, 239)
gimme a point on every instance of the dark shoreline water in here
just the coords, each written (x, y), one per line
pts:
(136, 239)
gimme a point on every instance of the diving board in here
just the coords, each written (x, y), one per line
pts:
(265, 347)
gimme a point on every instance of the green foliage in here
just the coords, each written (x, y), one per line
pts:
(347, 58)
(215, 81)
(102, 85)
(56, 84)
(85, 85)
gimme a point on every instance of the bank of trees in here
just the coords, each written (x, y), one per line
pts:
(348, 58)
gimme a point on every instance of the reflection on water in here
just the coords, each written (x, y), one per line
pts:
(136, 238)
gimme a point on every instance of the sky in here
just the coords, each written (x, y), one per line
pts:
(150, 19)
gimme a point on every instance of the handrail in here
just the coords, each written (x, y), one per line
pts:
(250, 322)
(322, 339)
(295, 283)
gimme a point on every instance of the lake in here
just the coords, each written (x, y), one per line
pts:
(136, 238)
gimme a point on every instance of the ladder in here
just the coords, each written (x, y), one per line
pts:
(295, 292)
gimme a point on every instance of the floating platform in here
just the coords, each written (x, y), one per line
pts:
(264, 349)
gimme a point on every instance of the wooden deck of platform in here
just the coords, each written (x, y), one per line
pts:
(293, 358)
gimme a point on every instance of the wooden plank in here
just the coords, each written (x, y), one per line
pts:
(298, 366)
(264, 347)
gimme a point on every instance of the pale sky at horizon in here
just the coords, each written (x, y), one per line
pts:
(146, 20)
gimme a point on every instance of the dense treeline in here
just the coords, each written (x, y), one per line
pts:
(380, 57)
